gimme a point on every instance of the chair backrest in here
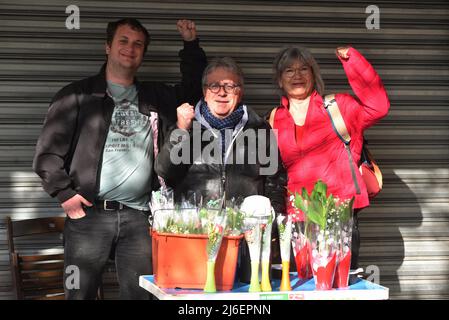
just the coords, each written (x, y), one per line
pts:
(37, 276)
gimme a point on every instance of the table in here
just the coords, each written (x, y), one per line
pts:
(302, 290)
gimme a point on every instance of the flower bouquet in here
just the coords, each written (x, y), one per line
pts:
(257, 210)
(322, 214)
(161, 206)
(344, 237)
(215, 228)
(235, 218)
(253, 239)
(300, 245)
(266, 250)
(284, 223)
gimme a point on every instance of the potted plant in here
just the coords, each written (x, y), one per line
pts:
(194, 245)
(323, 214)
(344, 237)
(300, 245)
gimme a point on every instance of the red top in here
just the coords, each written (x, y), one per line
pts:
(320, 154)
(299, 132)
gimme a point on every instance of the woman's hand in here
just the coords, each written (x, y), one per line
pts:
(342, 52)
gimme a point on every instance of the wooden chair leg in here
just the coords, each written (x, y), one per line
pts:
(100, 292)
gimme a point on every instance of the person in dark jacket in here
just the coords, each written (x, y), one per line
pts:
(96, 153)
(222, 145)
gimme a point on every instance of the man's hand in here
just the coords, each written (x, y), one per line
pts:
(187, 29)
(73, 207)
(342, 52)
(185, 114)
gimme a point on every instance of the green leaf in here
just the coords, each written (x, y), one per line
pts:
(320, 188)
(300, 203)
(315, 218)
(317, 214)
(281, 227)
(305, 195)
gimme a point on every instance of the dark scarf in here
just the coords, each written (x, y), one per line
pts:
(230, 122)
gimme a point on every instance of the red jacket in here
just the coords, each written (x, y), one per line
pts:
(321, 154)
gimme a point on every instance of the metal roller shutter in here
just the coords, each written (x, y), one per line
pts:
(406, 230)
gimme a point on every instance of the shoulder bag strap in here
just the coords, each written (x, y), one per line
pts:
(339, 126)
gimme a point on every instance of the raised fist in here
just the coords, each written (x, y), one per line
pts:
(187, 29)
(185, 114)
(342, 52)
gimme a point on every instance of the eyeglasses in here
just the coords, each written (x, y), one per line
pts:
(290, 72)
(228, 88)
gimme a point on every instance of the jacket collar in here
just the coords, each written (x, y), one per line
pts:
(199, 117)
(285, 102)
(250, 118)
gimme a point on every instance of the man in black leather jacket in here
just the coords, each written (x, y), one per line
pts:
(96, 152)
(223, 145)
(235, 164)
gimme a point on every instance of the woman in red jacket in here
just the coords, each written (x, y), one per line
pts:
(310, 148)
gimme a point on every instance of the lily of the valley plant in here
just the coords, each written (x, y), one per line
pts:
(321, 209)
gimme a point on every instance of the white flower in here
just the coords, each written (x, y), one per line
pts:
(324, 254)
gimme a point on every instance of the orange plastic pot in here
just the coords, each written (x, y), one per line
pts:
(180, 261)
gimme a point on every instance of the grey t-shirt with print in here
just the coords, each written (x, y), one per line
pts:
(126, 172)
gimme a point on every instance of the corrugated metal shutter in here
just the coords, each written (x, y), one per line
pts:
(405, 232)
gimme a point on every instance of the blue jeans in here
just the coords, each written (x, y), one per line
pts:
(91, 240)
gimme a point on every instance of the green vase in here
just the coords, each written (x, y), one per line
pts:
(254, 285)
(210, 278)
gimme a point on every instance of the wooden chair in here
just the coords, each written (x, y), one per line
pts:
(38, 276)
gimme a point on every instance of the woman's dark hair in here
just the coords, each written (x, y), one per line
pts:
(133, 23)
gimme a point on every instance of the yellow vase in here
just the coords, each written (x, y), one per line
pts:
(265, 283)
(285, 280)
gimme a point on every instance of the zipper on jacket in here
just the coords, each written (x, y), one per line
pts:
(223, 179)
(231, 144)
(223, 171)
